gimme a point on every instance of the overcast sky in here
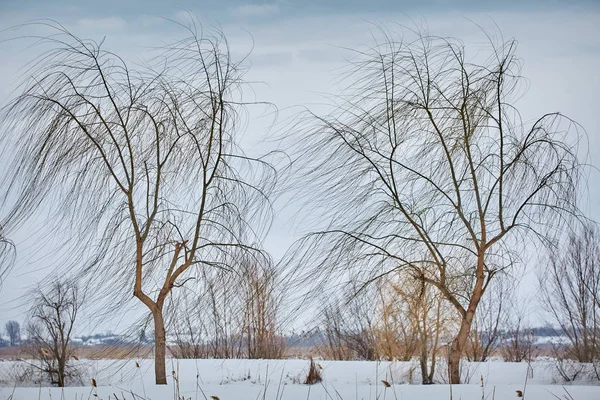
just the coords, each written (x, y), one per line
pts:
(297, 50)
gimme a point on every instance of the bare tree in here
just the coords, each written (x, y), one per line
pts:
(13, 330)
(50, 328)
(142, 164)
(570, 293)
(334, 333)
(518, 342)
(431, 319)
(223, 303)
(396, 319)
(424, 161)
(397, 336)
(189, 335)
(349, 325)
(260, 308)
(243, 317)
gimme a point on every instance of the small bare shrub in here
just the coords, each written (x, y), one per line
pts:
(50, 329)
(570, 293)
(350, 327)
(569, 370)
(518, 344)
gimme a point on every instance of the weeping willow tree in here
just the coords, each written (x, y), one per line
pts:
(425, 166)
(141, 164)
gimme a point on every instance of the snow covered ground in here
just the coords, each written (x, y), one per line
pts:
(282, 379)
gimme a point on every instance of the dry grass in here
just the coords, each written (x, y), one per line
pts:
(86, 352)
(314, 373)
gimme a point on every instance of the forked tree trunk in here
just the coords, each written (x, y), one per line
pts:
(457, 347)
(156, 308)
(455, 352)
(160, 347)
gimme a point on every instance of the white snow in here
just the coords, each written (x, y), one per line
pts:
(282, 379)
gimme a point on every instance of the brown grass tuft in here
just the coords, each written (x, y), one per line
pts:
(314, 374)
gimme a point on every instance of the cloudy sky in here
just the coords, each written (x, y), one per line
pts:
(298, 48)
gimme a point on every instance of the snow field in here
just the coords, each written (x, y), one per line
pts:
(282, 379)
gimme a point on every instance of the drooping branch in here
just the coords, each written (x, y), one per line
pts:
(424, 165)
(144, 163)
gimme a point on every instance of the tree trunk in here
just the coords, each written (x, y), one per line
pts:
(426, 379)
(454, 354)
(160, 347)
(61, 372)
(455, 351)
(156, 308)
